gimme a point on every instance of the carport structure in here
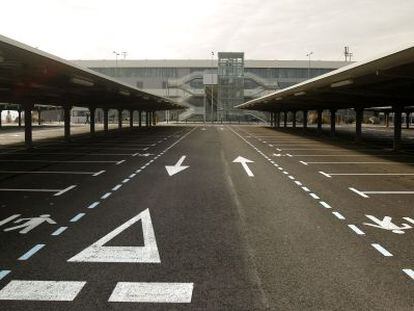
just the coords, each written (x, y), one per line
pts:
(31, 79)
(386, 81)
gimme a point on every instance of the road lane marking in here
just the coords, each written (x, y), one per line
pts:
(338, 215)
(132, 175)
(98, 252)
(325, 205)
(41, 290)
(298, 183)
(64, 190)
(303, 162)
(125, 180)
(93, 205)
(177, 167)
(306, 189)
(356, 230)
(409, 272)
(4, 273)
(119, 162)
(77, 217)
(31, 252)
(313, 195)
(106, 195)
(152, 292)
(409, 219)
(59, 231)
(382, 250)
(116, 187)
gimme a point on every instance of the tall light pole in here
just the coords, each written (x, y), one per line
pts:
(212, 88)
(116, 62)
(309, 63)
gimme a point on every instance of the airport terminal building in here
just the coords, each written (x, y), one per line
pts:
(211, 88)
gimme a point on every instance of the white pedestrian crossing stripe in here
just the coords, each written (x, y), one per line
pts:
(148, 253)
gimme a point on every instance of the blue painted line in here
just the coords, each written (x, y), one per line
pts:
(77, 217)
(3, 273)
(59, 230)
(32, 251)
(94, 204)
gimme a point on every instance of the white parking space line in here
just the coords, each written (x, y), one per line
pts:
(31, 252)
(350, 155)
(346, 162)
(58, 191)
(64, 190)
(53, 172)
(409, 272)
(356, 230)
(329, 175)
(73, 153)
(365, 194)
(152, 292)
(58, 161)
(381, 249)
(4, 273)
(41, 290)
(59, 231)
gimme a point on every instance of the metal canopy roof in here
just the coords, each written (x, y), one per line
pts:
(28, 75)
(383, 81)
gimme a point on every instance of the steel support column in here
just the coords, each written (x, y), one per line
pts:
(119, 118)
(333, 122)
(305, 119)
(66, 119)
(320, 121)
(397, 128)
(387, 119)
(278, 120)
(131, 118)
(19, 117)
(39, 114)
(1, 110)
(293, 118)
(140, 118)
(92, 120)
(28, 140)
(407, 120)
(105, 120)
(359, 116)
(285, 118)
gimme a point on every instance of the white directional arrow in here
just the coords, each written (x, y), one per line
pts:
(244, 162)
(174, 169)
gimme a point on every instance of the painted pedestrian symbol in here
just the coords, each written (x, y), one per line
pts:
(27, 224)
(387, 224)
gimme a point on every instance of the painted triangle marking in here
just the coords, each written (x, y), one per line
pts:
(98, 252)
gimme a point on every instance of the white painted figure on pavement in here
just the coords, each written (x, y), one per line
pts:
(386, 224)
(31, 223)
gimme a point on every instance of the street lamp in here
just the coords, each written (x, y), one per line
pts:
(116, 62)
(309, 63)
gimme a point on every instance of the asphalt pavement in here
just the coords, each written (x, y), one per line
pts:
(200, 217)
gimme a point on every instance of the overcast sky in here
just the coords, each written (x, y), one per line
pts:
(162, 29)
